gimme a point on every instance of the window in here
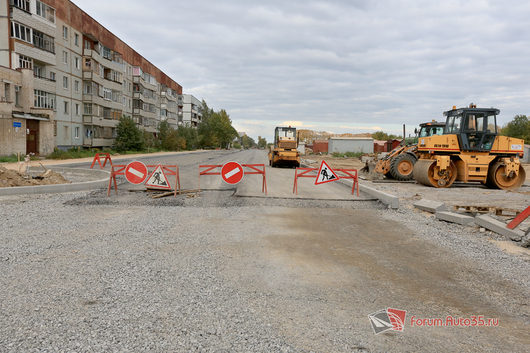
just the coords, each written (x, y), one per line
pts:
(24, 62)
(107, 94)
(65, 82)
(66, 107)
(65, 32)
(39, 71)
(87, 87)
(107, 54)
(7, 91)
(43, 41)
(21, 32)
(77, 109)
(76, 86)
(17, 95)
(76, 132)
(45, 11)
(77, 62)
(76, 39)
(87, 108)
(21, 4)
(44, 99)
(55, 128)
(88, 46)
(52, 76)
(65, 57)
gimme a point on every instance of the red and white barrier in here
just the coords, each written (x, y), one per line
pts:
(342, 173)
(120, 169)
(97, 158)
(215, 169)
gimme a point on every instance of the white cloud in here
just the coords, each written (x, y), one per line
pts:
(340, 65)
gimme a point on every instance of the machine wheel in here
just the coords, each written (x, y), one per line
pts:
(497, 177)
(425, 172)
(402, 166)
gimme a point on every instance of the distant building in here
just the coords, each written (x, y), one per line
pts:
(351, 144)
(191, 111)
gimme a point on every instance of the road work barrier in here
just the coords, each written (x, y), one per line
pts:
(215, 169)
(342, 174)
(519, 218)
(168, 170)
(97, 158)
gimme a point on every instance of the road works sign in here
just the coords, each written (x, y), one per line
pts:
(232, 173)
(325, 174)
(158, 179)
(135, 172)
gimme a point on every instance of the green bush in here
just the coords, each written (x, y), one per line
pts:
(129, 136)
(353, 154)
(338, 155)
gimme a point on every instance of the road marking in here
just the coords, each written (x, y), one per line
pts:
(232, 172)
(136, 172)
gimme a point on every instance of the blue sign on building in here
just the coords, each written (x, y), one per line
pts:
(17, 124)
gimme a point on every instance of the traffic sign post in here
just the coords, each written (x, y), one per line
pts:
(307, 173)
(232, 173)
(136, 172)
(167, 170)
(325, 174)
(158, 180)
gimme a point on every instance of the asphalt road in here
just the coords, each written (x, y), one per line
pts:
(228, 270)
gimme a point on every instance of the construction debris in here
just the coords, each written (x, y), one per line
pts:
(10, 178)
(498, 211)
(498, 227)
(455, 218)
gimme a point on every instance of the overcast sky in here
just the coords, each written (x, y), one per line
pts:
(339, 66)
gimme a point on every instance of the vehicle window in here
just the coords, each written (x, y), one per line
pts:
(456, 124)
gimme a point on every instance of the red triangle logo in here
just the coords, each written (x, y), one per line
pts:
(158, 179)
(325, 174)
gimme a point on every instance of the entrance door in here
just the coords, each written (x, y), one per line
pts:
(32, 138)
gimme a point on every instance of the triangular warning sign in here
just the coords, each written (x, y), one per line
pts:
(325, 174)
(158, 179)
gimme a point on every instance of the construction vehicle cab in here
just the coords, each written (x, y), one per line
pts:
(399, 163)
(476, 128)
(470, 150)
(285, 149)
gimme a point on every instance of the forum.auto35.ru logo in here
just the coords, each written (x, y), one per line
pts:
(388, 319)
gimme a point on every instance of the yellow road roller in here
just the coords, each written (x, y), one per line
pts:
(470, 150)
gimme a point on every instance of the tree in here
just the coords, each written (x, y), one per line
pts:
(221, 127)
(383, 136)
(149, 140)
(247, 142)
(129, 136)
(262, 142)
(519, 127)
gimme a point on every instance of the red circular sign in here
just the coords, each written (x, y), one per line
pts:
(232, 173)
(135, 172)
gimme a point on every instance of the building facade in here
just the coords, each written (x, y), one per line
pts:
(191, 112)
(82, 72)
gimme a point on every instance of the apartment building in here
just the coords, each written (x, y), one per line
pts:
(191, 110)
(82, 72)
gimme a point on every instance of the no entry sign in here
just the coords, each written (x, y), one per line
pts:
(136, 172)
(232, 173)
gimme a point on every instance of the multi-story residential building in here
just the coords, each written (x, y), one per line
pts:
(191, 111)
(26, 119)
(83, 72)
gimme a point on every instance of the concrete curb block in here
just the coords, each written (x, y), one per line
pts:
(455, 218)
(388, 199)
(101, 179)
(429, 205)
(497, 226)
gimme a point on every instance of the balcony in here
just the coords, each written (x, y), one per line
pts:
(99, 121)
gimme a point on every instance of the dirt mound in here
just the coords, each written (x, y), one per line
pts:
(9, 177)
